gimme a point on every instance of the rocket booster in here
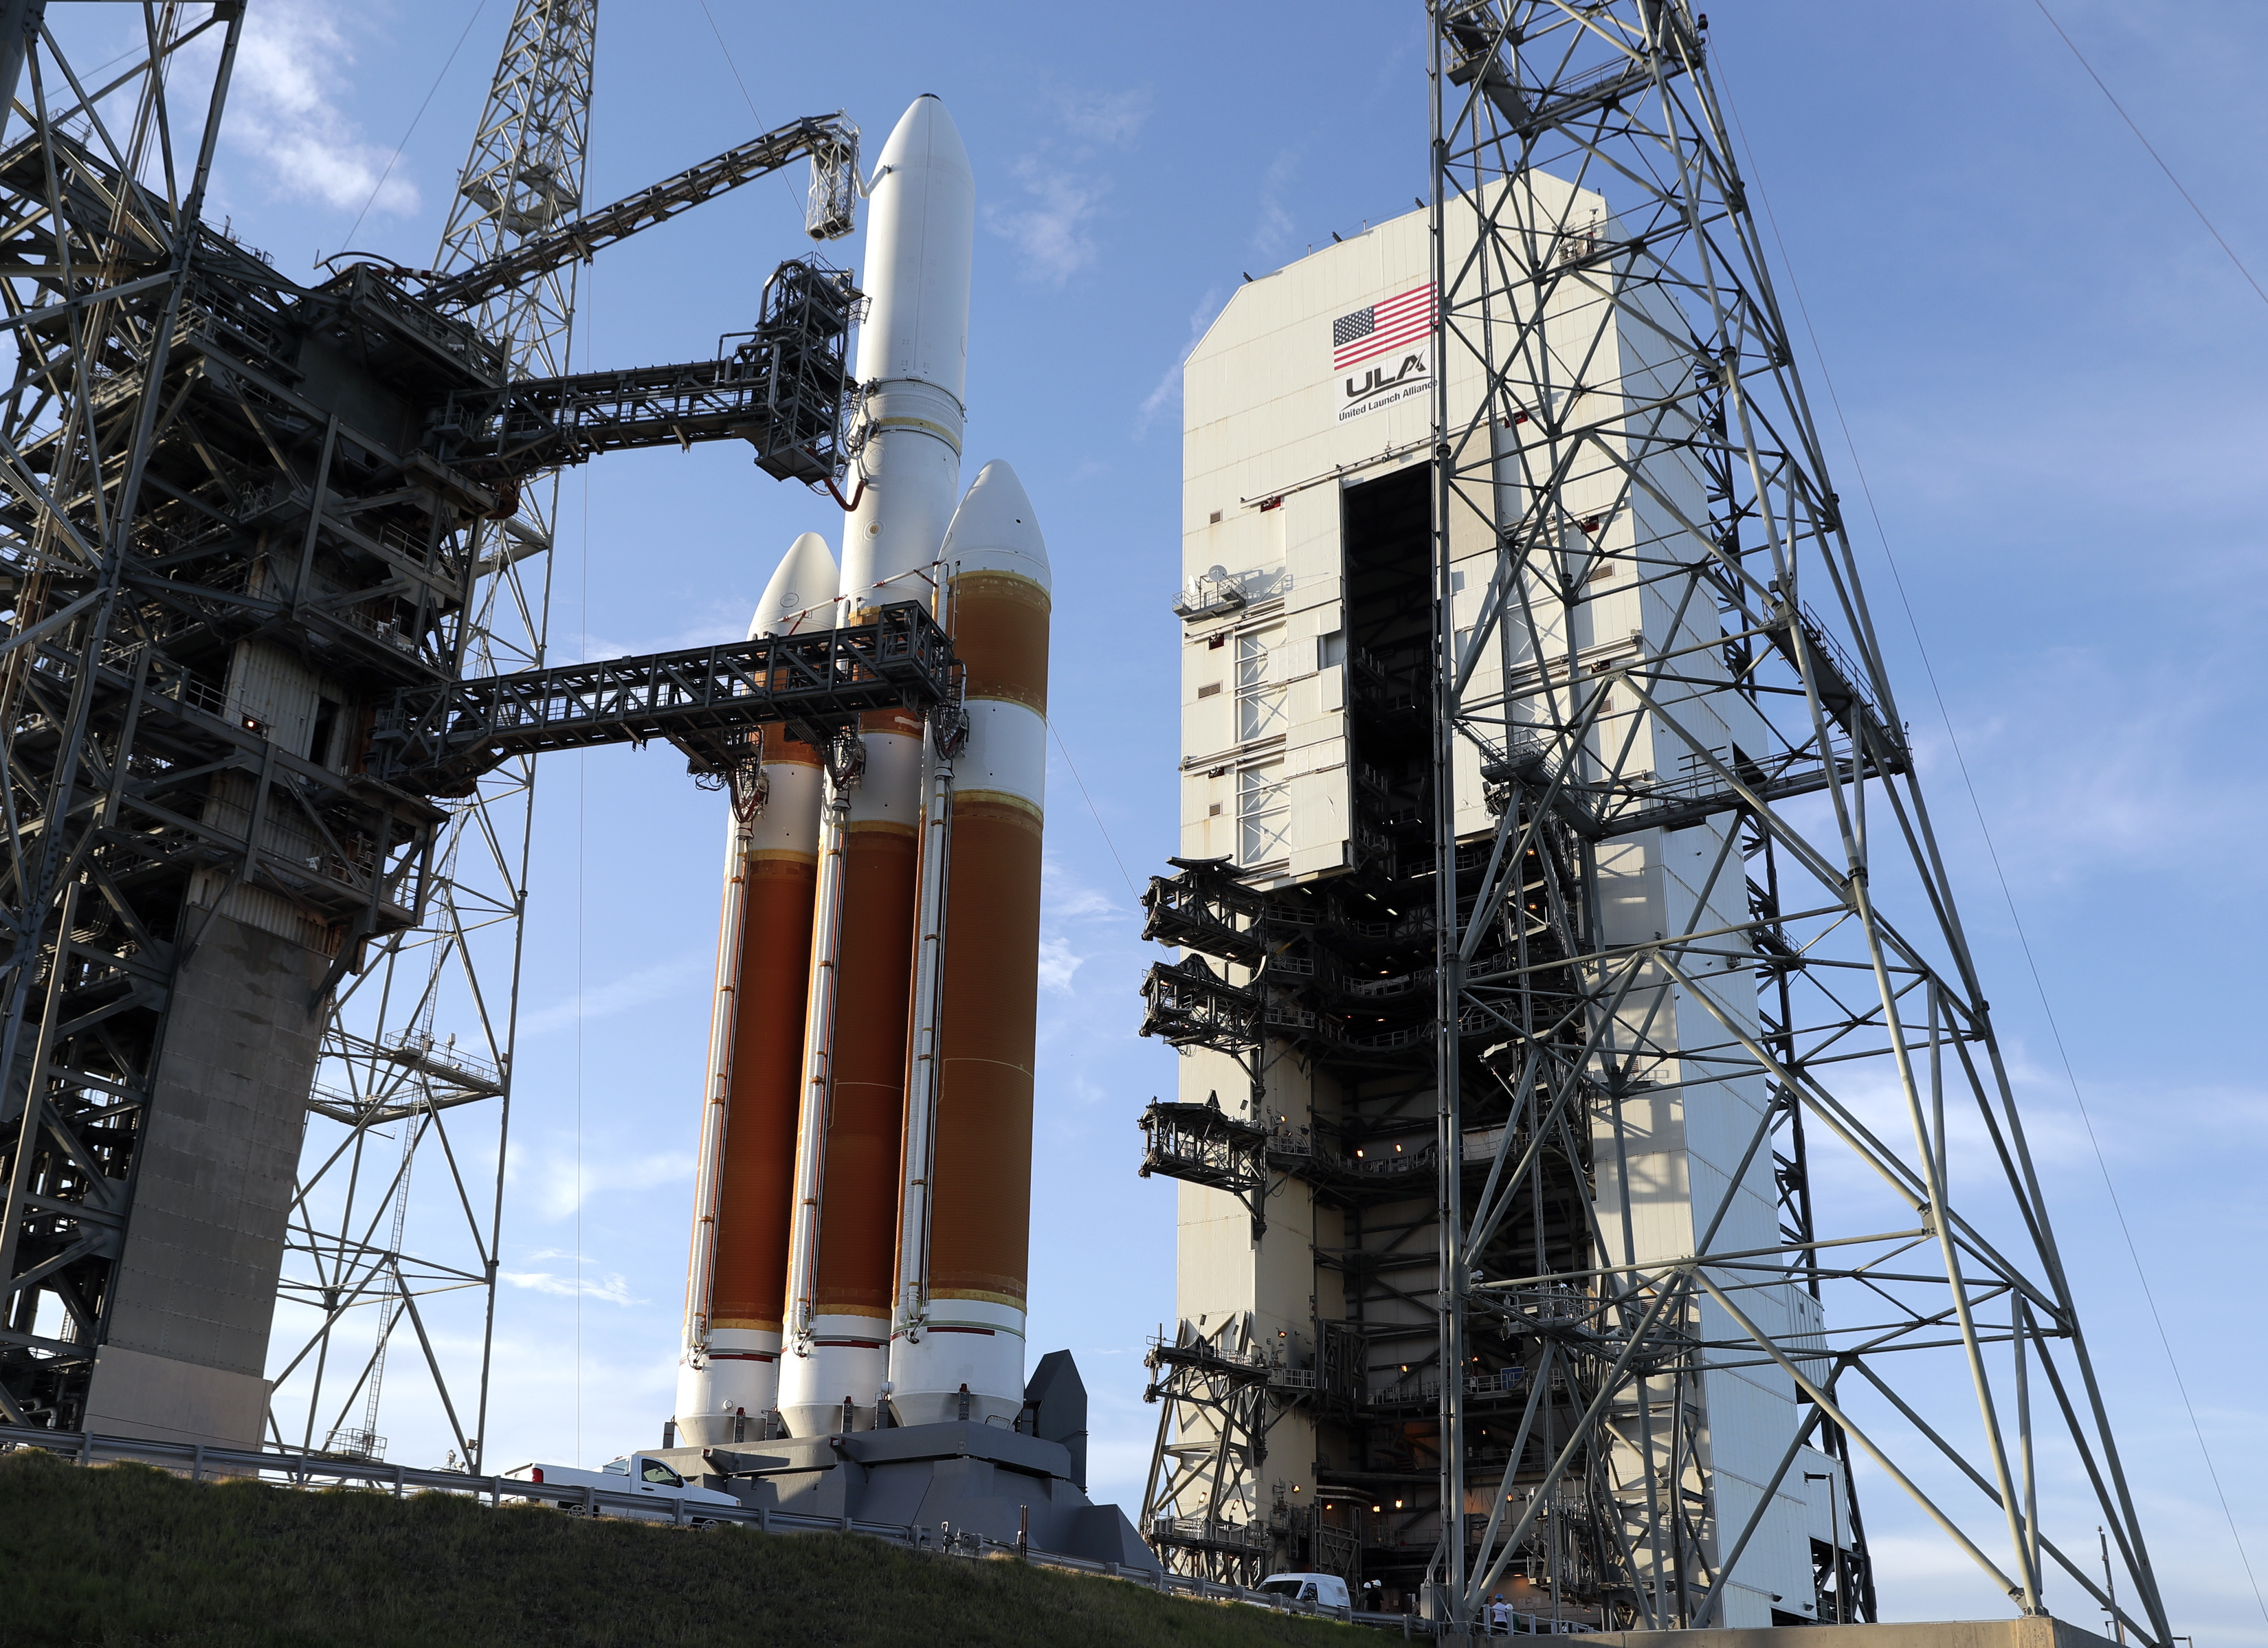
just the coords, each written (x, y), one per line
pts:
(734, 1292)
(957, 1343)
(912, 370)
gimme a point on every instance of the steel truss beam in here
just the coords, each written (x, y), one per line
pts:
(707, 700)
(829, 141)
(1617, 406)
(780, 387)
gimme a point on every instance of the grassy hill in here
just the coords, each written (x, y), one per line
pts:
(124, 1554)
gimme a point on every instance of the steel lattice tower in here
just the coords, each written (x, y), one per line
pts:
(1595, 1132)
(99, 283)
(383, 1065)
(1618, 401)
(255, 538)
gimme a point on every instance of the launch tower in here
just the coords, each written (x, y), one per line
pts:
(1546, 804)
(260, 544)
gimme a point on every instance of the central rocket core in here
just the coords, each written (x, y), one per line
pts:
(872, 1052)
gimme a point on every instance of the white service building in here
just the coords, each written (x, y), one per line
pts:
(1306, 682)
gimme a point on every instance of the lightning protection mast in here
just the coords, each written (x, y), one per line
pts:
(418, 1053)
(1674, 809)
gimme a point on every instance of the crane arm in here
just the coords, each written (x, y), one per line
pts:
(830, 140)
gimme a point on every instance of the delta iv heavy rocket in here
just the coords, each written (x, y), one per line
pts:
(861, 1226)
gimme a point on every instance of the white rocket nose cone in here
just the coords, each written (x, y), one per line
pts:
(926, 139)
(920, 229)
(797, 596)
(996, 529)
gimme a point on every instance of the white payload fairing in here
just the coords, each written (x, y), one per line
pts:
(901, 1177)
(913, 355)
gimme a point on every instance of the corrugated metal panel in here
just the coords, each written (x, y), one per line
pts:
(274, 688)
(1749, 1426)
(1822, 1521)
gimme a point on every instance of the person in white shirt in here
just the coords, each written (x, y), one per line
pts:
(1499, 1617)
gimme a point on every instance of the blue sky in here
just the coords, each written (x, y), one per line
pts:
(2051, 377)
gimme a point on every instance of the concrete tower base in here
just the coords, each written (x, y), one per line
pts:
(182, 1359)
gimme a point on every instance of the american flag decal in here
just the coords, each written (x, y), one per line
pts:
(1386, 324)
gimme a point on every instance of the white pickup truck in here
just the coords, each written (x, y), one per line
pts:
(660, 1490)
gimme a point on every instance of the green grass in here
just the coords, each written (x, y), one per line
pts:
(124, 1554)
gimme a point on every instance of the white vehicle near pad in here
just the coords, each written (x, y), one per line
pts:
(1325, 1590)
(660, 1489)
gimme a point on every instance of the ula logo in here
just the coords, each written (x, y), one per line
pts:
(1376, 379)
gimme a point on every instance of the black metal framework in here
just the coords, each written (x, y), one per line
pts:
(783, 388)
(1627, 474)
(232, 528)
(1202, 1143)
(829, 141)
(707, 700)
(1328, 983)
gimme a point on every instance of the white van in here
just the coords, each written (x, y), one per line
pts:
(652, 1480)
(1325, 1590)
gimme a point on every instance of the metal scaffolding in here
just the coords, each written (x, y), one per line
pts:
(239, 518)
(102, 195)
(1600, 989)
(1617, 400)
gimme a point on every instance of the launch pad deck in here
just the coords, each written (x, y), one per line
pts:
(981, 1479)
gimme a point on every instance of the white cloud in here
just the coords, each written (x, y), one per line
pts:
(611, 1287)
(291, 73)
(1051, 232)
(2092, 760)
(1168, 391)
(1272, 225)
(620, 995)
(1064, 900)
(1064, 897)
(561, 1184)
(1064, 194)
(1107, 117)
(717, 621)
(1058, 964)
